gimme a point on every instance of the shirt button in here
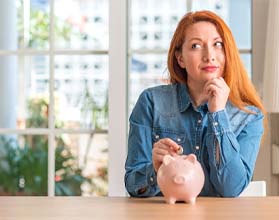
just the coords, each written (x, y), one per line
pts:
(178, 139)
(151, 179)
(215, 123)
(199, 121)
(197, 147)
(157, 136)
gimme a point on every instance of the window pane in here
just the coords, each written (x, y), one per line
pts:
(153, 28)
(236, 13)
(36, 92)
(240, 22)
(23, 165)
(146, 71)
(81, 165)
(24, 89)
(84, 24)
(81, 91)
(246, 59)
(150, 29)
(32, 23)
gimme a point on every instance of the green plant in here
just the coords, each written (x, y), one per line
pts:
(68, 176)
(24, 168)
(99, 181)
(38, 113)
(39, 28)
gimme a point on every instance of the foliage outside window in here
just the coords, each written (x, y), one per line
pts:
(23, 169)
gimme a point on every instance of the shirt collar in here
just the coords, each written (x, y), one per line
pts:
(184, 99)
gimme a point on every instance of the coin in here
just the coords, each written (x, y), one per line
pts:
(180, 150)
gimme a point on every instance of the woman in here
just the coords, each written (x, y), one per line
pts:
(210, 109)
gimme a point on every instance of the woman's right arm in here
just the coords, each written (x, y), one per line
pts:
(140, 176)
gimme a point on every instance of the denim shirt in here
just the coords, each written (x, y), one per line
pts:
(167, 112)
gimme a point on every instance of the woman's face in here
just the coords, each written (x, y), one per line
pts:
(202, 53)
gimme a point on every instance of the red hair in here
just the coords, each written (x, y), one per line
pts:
(242, 91)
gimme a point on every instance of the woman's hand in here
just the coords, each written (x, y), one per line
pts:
(160, 149)
(218, 92)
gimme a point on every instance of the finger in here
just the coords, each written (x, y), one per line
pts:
(207, 89)
(215, 81)
(161, 145)
(220, 82)
(159, 160)
(160, 151)
(221, 79)
(212, 89)
(170, 144)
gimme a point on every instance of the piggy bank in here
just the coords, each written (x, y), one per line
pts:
(180, 178)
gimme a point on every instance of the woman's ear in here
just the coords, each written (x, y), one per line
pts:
(179, 58)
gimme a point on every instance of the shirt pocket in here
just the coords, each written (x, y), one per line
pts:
(178, 137)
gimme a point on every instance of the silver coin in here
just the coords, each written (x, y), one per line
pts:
(180, 150)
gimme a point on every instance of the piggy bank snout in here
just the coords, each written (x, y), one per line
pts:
(179, 179)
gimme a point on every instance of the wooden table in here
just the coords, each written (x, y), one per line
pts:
(114, 208)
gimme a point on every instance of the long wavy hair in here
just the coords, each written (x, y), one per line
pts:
(242, 91)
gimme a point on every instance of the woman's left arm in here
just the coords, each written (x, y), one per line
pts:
(232, 157)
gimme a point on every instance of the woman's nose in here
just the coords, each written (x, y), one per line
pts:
(208, 59)
(208, 56)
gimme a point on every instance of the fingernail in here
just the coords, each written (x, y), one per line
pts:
(180, 150)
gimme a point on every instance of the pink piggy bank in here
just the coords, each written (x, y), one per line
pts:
(180, 178)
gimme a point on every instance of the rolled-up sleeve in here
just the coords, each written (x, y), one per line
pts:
(232, 166)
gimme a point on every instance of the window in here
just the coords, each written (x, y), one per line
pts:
(54, 117)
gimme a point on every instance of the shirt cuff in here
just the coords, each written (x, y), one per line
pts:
(219, 122)
(151, 175)
(150, 187)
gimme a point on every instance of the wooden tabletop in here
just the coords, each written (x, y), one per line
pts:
(115, 208)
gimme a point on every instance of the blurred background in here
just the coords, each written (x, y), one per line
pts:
(70, 74)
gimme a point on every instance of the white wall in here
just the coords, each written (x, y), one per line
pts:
(263, 165)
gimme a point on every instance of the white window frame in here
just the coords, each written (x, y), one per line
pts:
(118, 90)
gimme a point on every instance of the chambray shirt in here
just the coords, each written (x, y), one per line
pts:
(167, 112)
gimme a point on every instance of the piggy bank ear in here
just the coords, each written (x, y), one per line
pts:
(192, 158)
(167, 159)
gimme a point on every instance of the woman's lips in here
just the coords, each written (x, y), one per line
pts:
(210, 68)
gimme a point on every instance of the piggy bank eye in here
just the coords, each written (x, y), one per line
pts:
(192, 158)
(167, 159)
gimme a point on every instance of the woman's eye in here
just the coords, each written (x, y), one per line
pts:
(219, 44)
(195, 46)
